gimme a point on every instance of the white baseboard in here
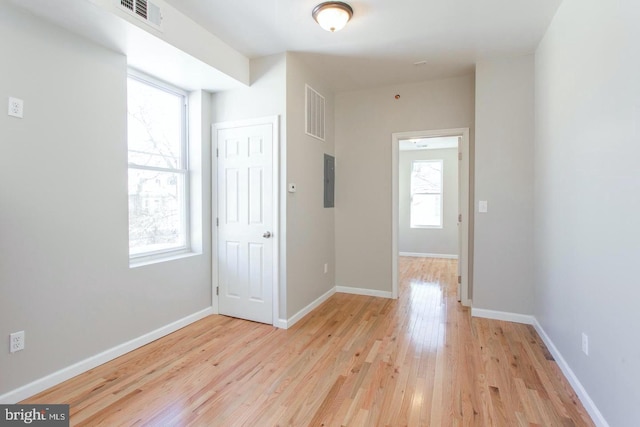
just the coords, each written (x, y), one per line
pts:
(280, 323)
(423, 255)
(363, 291)
(503, 315)
(285, 324)
(64, 374)
(584, 397)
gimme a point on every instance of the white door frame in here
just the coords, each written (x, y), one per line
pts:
(463, 186)
(274, 121)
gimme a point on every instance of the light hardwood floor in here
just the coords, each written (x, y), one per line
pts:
(355, 361)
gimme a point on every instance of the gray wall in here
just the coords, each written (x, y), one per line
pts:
(503, 248)
(587, 197)
(265, 97)
(441, 241)
(310, 226)
(278, 87)
(64, 263)
(365, 120)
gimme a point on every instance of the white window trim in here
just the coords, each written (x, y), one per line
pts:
(184, 250)
(441, 193)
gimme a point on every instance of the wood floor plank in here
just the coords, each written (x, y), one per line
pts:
(356, 360)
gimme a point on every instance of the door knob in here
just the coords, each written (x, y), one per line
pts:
(267, 235)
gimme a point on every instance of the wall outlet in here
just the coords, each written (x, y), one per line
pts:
(16, 107)
(326, 268)
(483, 206)
(16, 341)
(585, 343)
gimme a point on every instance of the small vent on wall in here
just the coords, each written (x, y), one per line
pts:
(314, 121)
(127, 4)
(144, 10)
(141, 9)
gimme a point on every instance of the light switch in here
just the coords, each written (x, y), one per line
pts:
(482, 206)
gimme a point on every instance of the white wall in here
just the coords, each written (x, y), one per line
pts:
(64, 265)
(441, 241)
(503, 251)
(587, 189)
(181, 52)
(365, 120)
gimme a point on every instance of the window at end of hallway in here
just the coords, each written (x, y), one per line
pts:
(426, 194)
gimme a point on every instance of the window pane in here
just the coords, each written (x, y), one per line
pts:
(156, 216)
(426, 177)
(425, 210)
(155, 126)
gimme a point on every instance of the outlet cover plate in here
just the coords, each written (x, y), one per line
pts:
(16, 341)
(16, 107)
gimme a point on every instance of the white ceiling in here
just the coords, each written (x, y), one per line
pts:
(385, 37)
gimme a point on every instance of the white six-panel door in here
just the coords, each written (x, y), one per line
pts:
(245, 222)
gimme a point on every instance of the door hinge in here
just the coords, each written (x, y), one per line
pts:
(459, 279)
(217, 222)
(459, 217)
(459, 156)
(217, 290)
(217, 153)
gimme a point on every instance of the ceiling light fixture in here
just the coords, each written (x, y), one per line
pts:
(332, 15)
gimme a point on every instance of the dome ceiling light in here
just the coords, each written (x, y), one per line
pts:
(332, 15)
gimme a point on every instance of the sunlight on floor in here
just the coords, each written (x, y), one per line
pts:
(427, 307)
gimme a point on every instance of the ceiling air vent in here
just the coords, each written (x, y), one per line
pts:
(144, 10)
(314, 122)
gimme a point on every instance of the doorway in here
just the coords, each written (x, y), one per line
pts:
(246, 241)
(434, 138)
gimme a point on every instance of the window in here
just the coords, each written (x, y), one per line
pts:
(426, 194)
(158, 174)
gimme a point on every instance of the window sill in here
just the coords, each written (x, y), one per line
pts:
(143, 261)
